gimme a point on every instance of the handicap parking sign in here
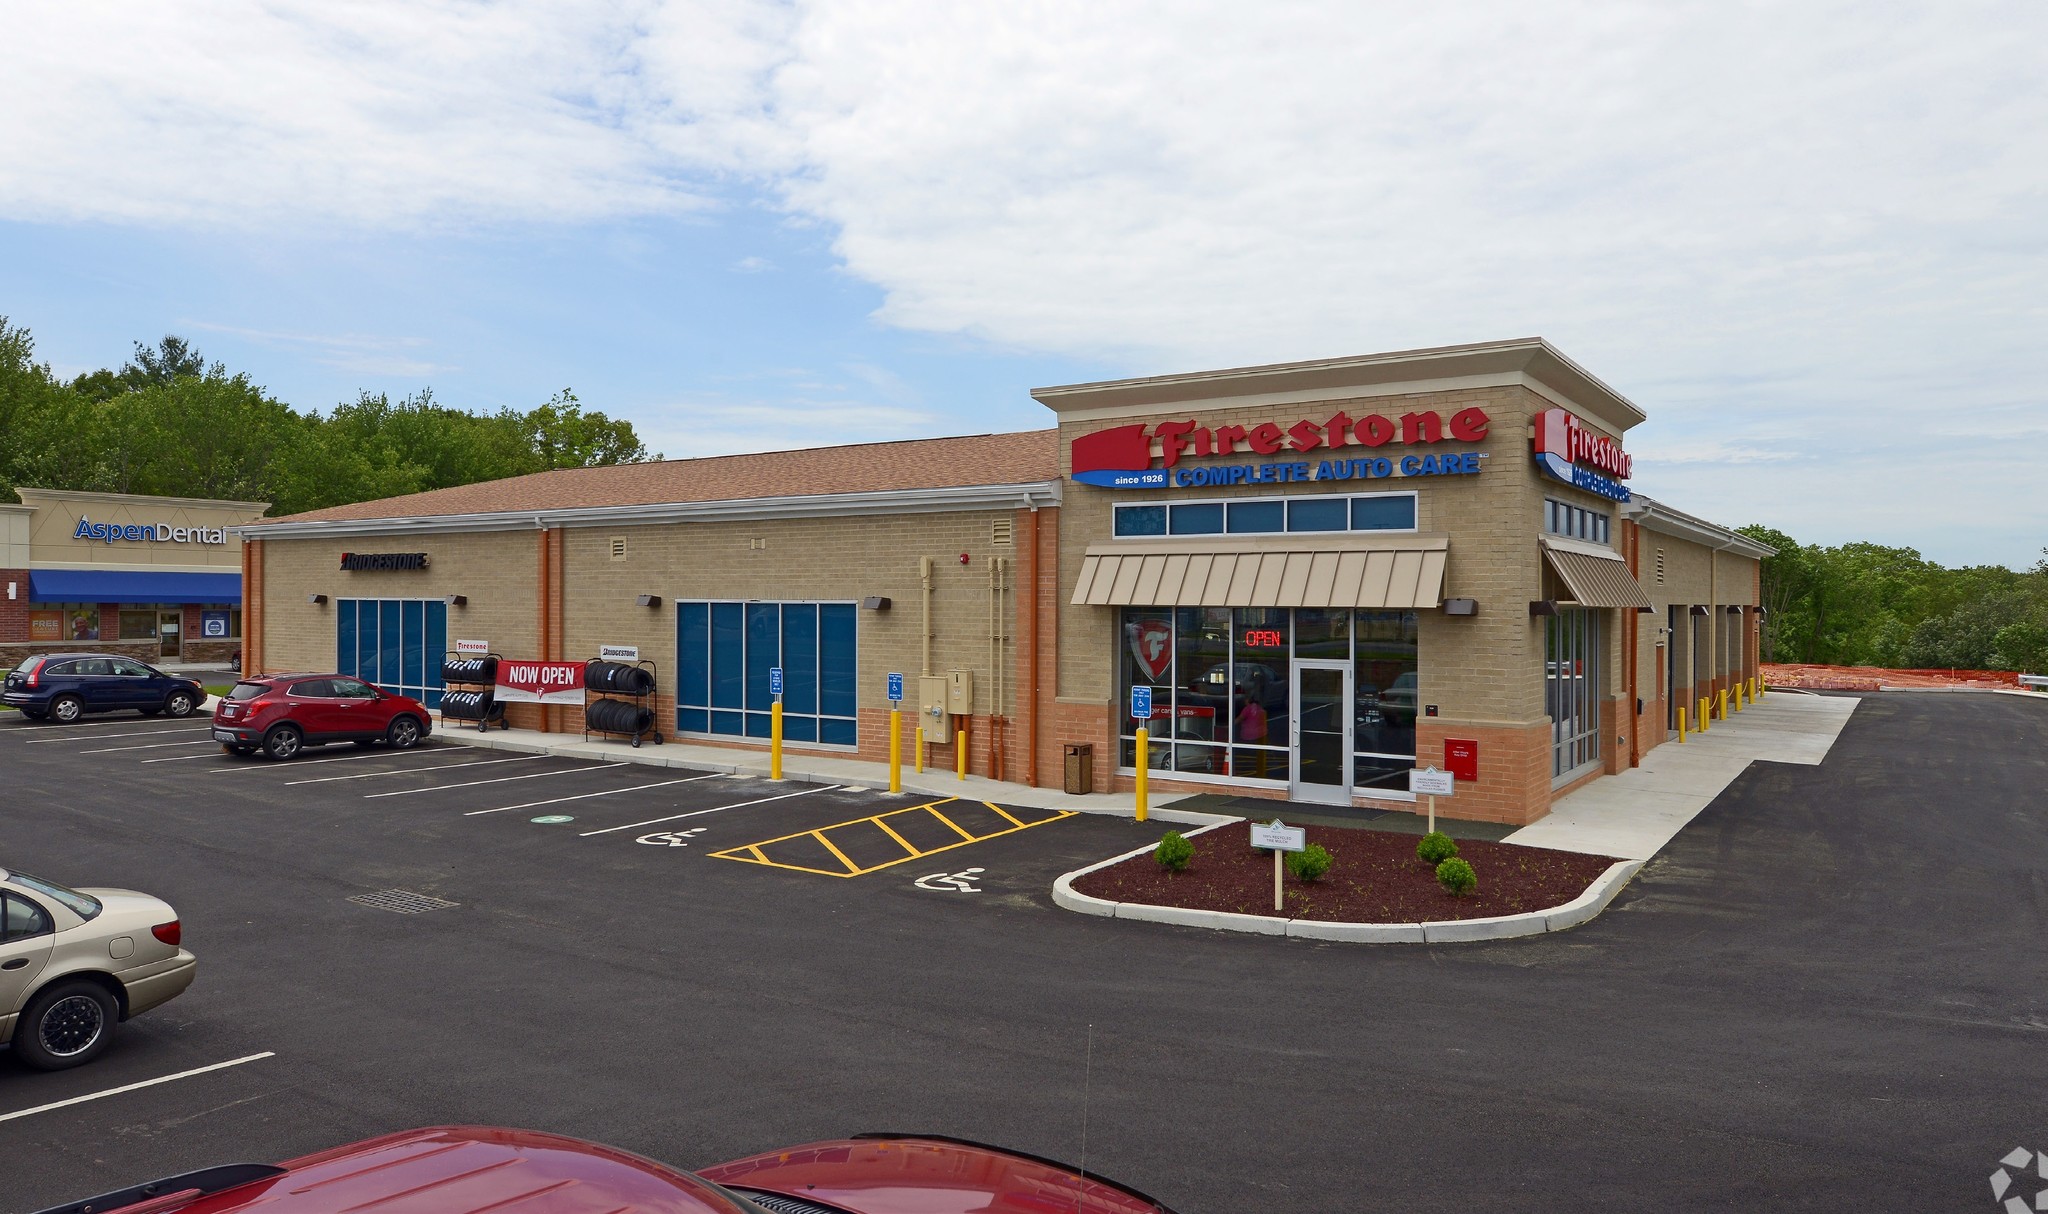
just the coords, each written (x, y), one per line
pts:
(895, 689)
(1141, 703)
(775, 680)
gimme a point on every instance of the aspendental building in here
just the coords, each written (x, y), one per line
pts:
(1325, 574)
(154, 578)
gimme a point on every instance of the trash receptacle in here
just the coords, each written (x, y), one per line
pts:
(1080, 769)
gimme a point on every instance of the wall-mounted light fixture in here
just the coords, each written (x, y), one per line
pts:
(316, 599)
(1763, 611)
(875, 603)
(1543, 607)
(647, 600)
(457, 600)
(1461, 606)
(1646, 611)
(1696, 609)
(1734, 610)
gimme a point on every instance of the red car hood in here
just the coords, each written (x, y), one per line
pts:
(908, 1174)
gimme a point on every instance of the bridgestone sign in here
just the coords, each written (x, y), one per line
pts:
(380, 562)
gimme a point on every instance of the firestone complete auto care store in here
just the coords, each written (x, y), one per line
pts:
(1326, 573)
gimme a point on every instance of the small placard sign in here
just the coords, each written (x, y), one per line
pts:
(1141, 703)
(477, 648)
(1429, 782)
(618, 653)
(1278, 836)
(895, 689)
(775, 680)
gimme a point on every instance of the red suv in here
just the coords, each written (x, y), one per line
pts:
(283, 714)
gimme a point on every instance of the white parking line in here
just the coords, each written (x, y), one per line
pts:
(700, 812)
(183, 758)
(539, 775)
(399, 771)
(586, 796)
(97, 737)
(289, 765)
(107, 750)
(130, 1087)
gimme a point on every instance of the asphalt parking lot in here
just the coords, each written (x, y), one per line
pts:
(1827, 993)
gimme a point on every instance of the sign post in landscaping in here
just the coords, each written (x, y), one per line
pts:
(1278, 837)
(1429, 782)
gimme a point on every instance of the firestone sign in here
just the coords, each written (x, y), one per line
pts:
(1575, 455)
(1122, 457)
(148, 533)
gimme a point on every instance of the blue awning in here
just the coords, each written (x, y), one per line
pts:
(132, 586)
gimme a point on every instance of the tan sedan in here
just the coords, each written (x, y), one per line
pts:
(75, 962)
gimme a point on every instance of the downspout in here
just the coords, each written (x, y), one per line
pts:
(1632, 639)
(547, 715)
(1031, 656)
(924, 581)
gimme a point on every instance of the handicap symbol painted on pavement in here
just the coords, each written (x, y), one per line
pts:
(669, 838)
(961, 882)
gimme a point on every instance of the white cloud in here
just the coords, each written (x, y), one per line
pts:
(368, 354)
(819, 414)
(1806, 228)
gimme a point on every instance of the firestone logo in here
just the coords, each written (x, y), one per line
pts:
(1575, 455)
(1123, 455)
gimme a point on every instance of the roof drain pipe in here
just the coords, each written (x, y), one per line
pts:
(997, 722)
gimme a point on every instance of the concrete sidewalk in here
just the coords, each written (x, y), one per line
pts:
(1634, 814)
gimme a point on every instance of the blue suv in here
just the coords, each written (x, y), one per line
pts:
(65, 686)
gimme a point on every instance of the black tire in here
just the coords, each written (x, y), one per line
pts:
(66, 1025)
(404, 733)
(180, 704)
(284, 742)
(239, 751)
(66, 710)
(149, 712)
(34, 715)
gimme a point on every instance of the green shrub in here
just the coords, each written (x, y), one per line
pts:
(1310, 863)
(1436, 847)
(1457, 876)
(1174, 851)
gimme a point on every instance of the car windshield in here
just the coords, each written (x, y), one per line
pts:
(83, 905)
(248, 691)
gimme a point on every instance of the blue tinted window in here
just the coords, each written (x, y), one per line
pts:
(799, 657)
(759, 725)
(837, 731)
(1141, 520)
(388, 643)
(692, 720)
(836, 658)
(1383, 513)
(366, 640)
(727, 646)
(764, 649)
(1258, 516)
(345, 636)
(693, 659)
(1318, 514)
(1205, 518)
(437, 644)
(412, 654)
(726, 723)
(797, 728)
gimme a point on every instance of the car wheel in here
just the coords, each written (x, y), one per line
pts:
(283, 742)
(180, 704)
(65, 1026)
(67, 709)
(404, 733)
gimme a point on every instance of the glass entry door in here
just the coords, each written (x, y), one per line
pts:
(1320, 757)
(167, 627)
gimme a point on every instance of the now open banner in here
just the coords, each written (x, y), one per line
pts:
(540, 682)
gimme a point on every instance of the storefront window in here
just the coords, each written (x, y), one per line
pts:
(138, 625)
(398, 644)
(726, 651)
(1571, 642)
(64, 622)
(1384, 687)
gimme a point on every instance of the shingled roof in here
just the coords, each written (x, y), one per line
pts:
(926, 463)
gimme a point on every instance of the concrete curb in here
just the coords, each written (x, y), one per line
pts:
(1448, 931)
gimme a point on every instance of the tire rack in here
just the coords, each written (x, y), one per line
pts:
(495, 713)
(653, 729)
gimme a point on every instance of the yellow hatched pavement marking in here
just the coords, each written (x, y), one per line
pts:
(753, 853)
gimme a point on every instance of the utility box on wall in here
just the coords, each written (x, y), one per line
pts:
(960, 692)
(931, 695)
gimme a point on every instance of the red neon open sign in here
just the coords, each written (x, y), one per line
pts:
(1264, 638)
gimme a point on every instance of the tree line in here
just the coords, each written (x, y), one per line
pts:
(1868, 604)
(169, 423)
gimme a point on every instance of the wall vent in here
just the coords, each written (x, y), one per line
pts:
(759, 543)
(1660, 566)
(999, 532)
(618, 547)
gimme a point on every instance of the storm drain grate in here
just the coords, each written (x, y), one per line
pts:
(403, 901)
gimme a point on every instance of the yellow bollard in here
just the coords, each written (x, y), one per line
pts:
(895, 750)
(960, 754)
(918, 749)
(1681, 726)
(1721, 703)
(1144, 767)
(1704, 718)
(775, 741)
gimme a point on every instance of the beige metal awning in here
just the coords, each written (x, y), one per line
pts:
(1596, 577)
(1344, 570)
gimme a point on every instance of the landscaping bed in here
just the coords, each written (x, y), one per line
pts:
(1375, 877)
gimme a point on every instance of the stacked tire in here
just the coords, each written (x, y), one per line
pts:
(617, 716)
(470, 670)
(466, 705)
(618, 678)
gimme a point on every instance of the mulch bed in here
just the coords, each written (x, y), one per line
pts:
(1375, 878)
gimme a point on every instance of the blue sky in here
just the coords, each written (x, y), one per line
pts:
(1807, 240)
